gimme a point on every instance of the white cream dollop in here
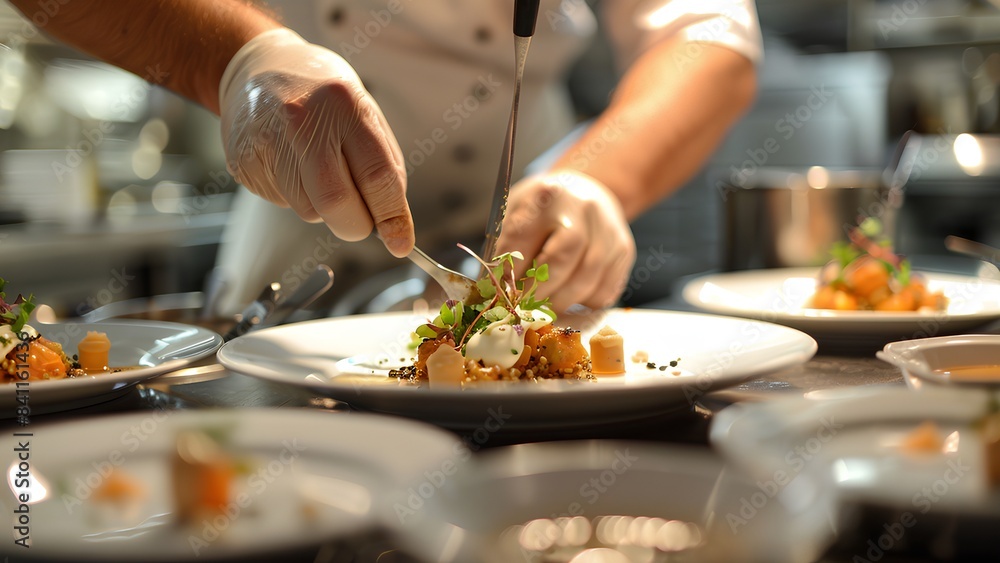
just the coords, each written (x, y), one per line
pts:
(10, 339)
(500, 344)
(538, 319)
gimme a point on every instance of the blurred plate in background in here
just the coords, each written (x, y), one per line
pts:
(616, 501)
(780, 295)
(303, 478)
(920, 455)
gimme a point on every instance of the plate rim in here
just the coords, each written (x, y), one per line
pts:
(690, 290)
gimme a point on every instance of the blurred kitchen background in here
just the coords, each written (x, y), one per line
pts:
(111, 190)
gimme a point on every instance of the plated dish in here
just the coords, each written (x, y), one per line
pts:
(147, 348)
(866, 274)
(350, 359)
(782, 295)
(106, 489)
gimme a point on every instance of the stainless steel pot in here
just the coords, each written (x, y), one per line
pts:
(785, 218)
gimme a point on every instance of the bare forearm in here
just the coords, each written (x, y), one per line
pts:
(183, 45)
(671, 110)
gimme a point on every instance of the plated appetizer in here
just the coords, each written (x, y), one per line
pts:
(866, 274)
(508, 336)
(26, 355)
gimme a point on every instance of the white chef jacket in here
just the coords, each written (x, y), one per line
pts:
(442, 72)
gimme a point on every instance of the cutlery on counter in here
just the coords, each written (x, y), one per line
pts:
(318, 283)
(255, 312)
(271, 309)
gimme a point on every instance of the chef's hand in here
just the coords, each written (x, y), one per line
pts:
(301, 131)
(574, 224)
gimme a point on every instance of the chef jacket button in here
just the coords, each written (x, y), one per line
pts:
(336, 16)
(463, 153)
(483, 34)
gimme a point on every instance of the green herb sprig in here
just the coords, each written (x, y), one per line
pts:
(15, 314)
(868, 239)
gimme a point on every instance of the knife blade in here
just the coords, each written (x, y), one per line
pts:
(318, 283)
(525, 16)
(256, 311)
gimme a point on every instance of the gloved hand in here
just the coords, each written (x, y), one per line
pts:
(301, 131)
(574, 224)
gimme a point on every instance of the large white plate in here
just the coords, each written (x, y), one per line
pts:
(779, 295)
(307, 476)
(714, 352)
(156, 347)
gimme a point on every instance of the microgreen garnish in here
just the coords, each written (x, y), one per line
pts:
(868, 239)
(504, 298)
(15, 314)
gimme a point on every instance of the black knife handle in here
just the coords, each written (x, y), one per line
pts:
(525, 14)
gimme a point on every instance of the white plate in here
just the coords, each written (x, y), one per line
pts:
(624, 496)
(779, 295)
(851, 438)
(308, 476)
(157, 347)
(714, 351)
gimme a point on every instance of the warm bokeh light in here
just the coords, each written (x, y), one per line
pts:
(818, 177)
(969, 154)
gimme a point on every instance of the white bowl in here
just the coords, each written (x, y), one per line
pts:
(936, 360)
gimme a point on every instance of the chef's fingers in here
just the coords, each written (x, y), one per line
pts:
(376, 164)
(564, 251)
(528, 223)
(608, 290)
(326, 180)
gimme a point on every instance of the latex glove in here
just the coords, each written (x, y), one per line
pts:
(574, 224)
(301, 131)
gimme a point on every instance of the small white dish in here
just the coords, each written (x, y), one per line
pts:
(966, 360)
(624, 501)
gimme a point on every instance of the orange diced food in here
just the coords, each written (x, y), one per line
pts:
(93, 351)
(925, 438)
(607, 352)
(45, 360)
(562, 350)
